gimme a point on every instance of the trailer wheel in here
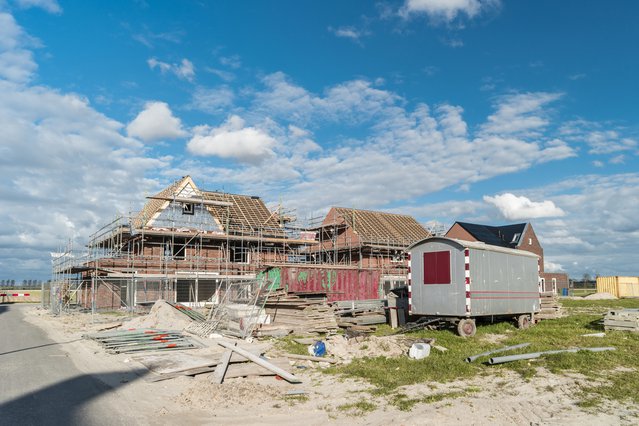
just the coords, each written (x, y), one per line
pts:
(466, 327)
(523, 322)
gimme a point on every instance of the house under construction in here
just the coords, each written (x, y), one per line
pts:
(186, 241)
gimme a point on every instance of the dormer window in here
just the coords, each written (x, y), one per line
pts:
(187, 208)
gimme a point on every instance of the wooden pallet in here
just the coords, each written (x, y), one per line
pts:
(624, 320)
(550, 307)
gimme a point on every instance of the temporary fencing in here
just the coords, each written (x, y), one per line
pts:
(191, 313)
(142, 340)
(237, 309)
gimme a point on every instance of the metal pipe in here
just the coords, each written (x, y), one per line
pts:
(510, 358)
(495, 351)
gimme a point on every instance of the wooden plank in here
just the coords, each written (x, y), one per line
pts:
(251, 369)
(220, 370)
(264, 363)
(311, 358)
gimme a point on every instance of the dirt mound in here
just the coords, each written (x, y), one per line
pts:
(162, 316)
(600, 296)
(372, 346)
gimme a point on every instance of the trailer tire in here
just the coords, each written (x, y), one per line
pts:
(466, 327)
(523, 322)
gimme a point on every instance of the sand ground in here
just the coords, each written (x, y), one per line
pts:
(497, 400)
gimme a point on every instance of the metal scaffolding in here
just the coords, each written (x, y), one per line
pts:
(201, 242)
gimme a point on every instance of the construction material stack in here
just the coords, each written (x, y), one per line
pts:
(550, 306)
(624, 320)
(301, 315)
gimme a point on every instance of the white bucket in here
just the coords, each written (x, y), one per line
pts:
(419, 350)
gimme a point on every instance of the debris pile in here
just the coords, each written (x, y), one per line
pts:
(624, 320)
(239, 359)
(163, 315)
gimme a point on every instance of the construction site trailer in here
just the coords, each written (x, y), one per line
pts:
(463, 280)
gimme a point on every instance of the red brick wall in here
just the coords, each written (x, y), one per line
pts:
(529, 242)
(562, 281)
(459, 233)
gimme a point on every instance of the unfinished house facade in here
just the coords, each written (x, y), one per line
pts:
(520, 236)
(186, 242)
(178, 247)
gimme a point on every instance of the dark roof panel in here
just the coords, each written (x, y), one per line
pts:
(504, 236)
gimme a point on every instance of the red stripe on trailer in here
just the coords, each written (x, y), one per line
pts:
(467, 277)
(15, 294)
(503, 291)
(172, 345)
(505, 297)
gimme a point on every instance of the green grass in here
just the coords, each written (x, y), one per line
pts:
(289, 345)
(581, 292)
(358, 408)
(387, 375)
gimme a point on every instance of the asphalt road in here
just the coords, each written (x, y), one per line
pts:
(40, 385)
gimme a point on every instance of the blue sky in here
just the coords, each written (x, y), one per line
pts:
(485, 111)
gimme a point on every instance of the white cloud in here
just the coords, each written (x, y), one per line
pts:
(521, 208)
(49, 195)
(185, 70)
(50, 6)
(607, 142)
(556, 149)
(447, 10)
(156, 122)
(232, 61)
(552, 267)
(66, 168)
(349, 32)
(352, 101)
(16, 62)
(232, 140)
(224, 75)
(212, 101)
(521, 114)
(619, 159)
(601, 138)
(578, 76)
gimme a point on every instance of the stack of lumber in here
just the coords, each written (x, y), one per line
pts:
(550, 306)
(624, 319)
(301, 315)
(360, 312)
